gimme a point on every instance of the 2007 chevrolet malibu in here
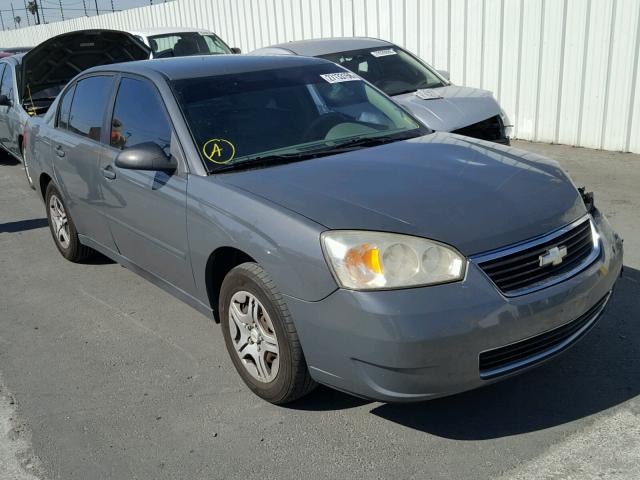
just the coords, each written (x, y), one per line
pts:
(334, 238)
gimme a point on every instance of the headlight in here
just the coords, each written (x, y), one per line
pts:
(508, 126)
(363, 260)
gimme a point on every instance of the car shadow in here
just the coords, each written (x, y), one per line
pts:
(598, 373)
(23, 225)
(6, 159)
(326, 399)
(98, 259)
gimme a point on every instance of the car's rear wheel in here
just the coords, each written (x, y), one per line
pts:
(261, 337)
(63, 229)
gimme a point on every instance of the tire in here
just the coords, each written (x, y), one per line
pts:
(249, 293)
(62, 228)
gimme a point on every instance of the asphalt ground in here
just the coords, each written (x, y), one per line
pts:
(105, 376)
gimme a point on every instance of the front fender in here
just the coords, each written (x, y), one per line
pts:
(284, 243)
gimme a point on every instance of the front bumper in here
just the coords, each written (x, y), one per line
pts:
(421, 343)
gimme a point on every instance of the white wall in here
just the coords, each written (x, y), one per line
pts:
(566, 71)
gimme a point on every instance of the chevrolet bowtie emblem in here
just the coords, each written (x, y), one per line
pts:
(553, 256)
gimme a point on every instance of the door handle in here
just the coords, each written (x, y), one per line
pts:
(108, 173)
(59, 151)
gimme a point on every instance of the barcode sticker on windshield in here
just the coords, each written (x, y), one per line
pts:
(340, 77)
(427, 94)
(384, 53)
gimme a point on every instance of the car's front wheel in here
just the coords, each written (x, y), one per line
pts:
(62, 227)
(261, 337)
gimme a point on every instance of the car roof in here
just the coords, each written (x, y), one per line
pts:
(14, 59)
(148, 32)
(178, 68)
(326, 46)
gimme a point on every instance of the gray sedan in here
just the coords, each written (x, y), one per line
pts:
(334, 238)
(427, 93)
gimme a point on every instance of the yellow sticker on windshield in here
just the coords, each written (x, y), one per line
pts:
(219, 150)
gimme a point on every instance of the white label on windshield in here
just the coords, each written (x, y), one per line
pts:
(384, 53)
(427, 94)
(340, 77)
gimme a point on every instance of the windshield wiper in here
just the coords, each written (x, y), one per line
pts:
(265, 160)
(402, 92)
(341, 147)
(422, 86)
(373, 141)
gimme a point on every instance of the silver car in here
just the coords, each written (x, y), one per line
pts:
(31, 81)
(335, 238)
(427, 93)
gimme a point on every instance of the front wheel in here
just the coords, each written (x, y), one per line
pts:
(261, 337)
(62, 227)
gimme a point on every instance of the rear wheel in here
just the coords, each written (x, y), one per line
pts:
(260, 336)
(63, 229)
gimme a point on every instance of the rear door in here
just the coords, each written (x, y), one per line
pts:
(147, 209)
(79, 142)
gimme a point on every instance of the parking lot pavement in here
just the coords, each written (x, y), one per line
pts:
(103, 375)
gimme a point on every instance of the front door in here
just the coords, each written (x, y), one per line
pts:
(147, 209)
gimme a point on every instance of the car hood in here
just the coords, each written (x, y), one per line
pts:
(56, 61)
(474, 195)
(458, 107)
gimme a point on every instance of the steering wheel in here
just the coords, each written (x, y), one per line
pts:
(319, 128)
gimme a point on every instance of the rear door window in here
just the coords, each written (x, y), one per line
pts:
(88, 106)
(133, 124)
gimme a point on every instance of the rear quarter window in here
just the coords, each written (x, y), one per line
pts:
(65, 108)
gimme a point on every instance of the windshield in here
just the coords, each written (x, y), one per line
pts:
(187, 43)
(392, 70)
(294, 111)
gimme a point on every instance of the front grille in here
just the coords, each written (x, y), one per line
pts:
(509, 358)
(517, 270)
(490, 129)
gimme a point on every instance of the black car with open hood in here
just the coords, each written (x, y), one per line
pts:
(50, 65)
(31, 81)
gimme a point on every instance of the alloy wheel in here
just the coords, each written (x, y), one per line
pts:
(254, 337)
(59, 222)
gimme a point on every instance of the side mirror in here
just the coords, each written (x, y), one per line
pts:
(444, 74)
(145, 156)
(5, 101)
(236, 50)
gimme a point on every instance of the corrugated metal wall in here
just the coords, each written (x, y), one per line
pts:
(566, 71)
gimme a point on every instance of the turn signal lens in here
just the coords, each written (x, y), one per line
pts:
(376, 260)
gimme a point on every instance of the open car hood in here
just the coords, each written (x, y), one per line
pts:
(56, 61)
